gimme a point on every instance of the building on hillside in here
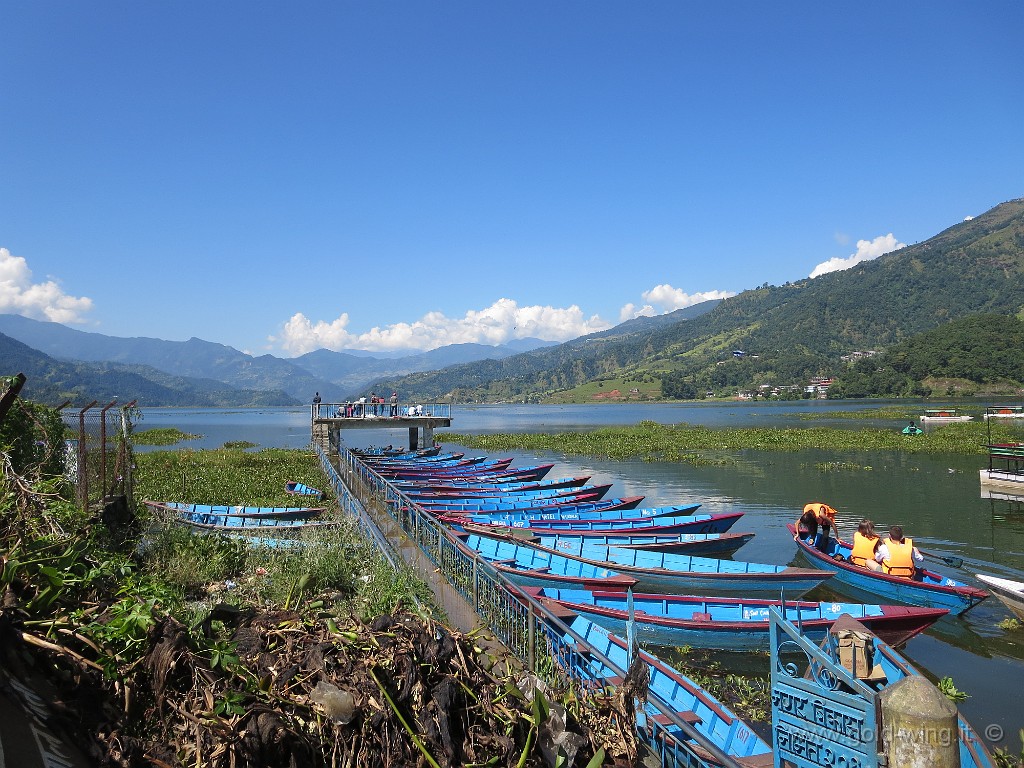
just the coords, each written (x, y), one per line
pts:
(818, 387)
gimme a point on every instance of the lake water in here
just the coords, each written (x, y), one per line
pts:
(936, 498)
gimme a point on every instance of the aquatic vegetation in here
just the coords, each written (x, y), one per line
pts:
(1011, 624)
(651, 441)
(240, 444)
(162, 436)
(950, 691)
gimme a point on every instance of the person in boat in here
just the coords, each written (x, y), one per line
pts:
(899, 555)
(866, 547)
(807, 524)
(824, 523)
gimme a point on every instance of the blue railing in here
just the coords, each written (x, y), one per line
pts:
(531, 632)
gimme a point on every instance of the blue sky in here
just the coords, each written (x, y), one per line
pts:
(281, 177)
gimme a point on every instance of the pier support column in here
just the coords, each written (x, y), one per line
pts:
(413, 434)
(428, 437)
(919, 726)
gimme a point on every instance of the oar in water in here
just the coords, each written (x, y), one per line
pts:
(952, 562)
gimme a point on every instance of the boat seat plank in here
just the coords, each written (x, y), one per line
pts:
(756, 761)
(685, 715)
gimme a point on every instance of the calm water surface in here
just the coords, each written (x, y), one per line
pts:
(937, 499)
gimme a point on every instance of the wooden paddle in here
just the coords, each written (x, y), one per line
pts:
(952, 562)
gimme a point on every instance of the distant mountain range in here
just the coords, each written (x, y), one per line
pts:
(79, 365)
(787, 334)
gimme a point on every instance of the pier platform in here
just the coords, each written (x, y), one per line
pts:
(327, 420)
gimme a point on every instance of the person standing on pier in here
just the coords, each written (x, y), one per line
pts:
(394, 404)
(316, 404)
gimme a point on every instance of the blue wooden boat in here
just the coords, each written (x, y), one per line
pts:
(236, 523)
(493, 496)
(468, 469)
(613, 521)
(572, 574)
(436, 459)
(474, 486)
(507, 474)
(731, 624)
(672, 690)
(672, 543)
(240, 511)
(656, 572)
(926, 588)
(890, 667)
(539, 506)
(301, 489)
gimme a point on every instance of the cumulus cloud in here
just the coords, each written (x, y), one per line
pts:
(866, 250)
(502, 321)
(40, 301)
(662, 299)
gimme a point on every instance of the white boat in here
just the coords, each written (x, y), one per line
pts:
(1010, 592)
(1005, 412)
(942, 416)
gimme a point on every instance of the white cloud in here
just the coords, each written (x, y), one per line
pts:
(502, 321)
(866, 250)
(662, 299)
(40, 301)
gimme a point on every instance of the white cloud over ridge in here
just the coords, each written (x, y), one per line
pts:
(866, 251)
(503, 321)
(39, 301)
(662, 299)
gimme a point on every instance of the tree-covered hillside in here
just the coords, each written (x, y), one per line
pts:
(789, 333)
(984, 350)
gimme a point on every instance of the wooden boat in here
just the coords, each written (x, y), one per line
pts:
(670, 543)
(539, 506)
(657, 572)
(494, 496)
(570, 574)
(607, 522)
(942, 416)
(467, 469)
(666, 687)
(301, 489)
(473, 486)
(233, 523)
(556, 496)
(731, 624)
(508, 474)
(239, 511)
(926, 588)
(890, 667)
(1010, 593)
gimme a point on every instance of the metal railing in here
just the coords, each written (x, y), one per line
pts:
(365, 410)
(542, 642)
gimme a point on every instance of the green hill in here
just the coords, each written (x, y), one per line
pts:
(789, 333)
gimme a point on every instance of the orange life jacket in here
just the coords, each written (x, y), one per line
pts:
(823, 512)
(863, 548)
(901, 557)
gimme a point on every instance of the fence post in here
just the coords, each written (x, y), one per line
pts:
(919, 726)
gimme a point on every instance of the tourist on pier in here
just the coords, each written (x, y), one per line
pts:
(316, 403)
(899, 555)
(394, 404)
(867, 547)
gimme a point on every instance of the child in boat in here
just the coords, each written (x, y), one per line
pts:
(866, 547)
(899, 555)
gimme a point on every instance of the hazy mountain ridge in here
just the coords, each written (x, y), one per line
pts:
(53, 382)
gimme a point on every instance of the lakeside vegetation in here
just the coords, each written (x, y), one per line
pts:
(650, 441)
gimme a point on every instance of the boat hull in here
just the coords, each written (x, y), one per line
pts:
(933, 590)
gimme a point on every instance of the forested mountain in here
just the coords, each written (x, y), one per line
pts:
(980, 352)
(789, 333)
(53, 382)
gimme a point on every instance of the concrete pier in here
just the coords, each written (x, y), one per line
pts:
(327, 420)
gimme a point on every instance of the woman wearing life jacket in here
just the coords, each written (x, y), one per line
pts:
(899, 554)
(866, 546)
(825, 519)
(807, 524)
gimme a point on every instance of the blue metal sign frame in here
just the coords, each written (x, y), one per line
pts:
(822, 716)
